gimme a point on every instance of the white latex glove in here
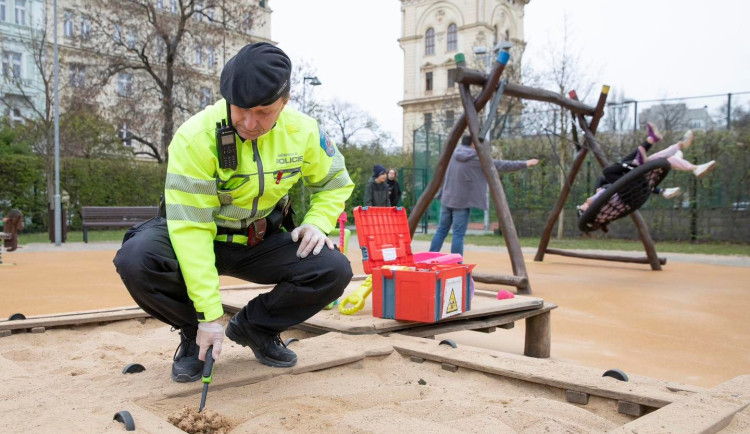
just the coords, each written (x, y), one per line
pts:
(311, 239)
(209, 333)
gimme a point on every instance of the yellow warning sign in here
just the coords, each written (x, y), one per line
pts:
(452, 300)
(452, 305)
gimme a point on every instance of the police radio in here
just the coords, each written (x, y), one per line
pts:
(226, 145)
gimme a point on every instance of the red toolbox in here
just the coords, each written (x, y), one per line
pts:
(427, 291)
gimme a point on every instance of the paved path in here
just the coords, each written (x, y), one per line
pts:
(423, 246)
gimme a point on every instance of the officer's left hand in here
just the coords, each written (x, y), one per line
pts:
(311, 239)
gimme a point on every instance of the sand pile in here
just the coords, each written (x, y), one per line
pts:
(191, 421)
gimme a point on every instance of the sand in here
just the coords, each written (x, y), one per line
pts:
(686, 324)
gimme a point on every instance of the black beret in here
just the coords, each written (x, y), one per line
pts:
(258, 75)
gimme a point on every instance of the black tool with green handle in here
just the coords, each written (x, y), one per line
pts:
(208, 375)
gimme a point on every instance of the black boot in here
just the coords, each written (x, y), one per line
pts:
(268, 349)
(186, 366)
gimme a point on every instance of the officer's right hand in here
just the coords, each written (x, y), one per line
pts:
(532, 162)
(209, 333)
(311, 239)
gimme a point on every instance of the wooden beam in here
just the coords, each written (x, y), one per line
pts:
(517, 281)
(442, 165)
(505, 218)
(73, 319)
(470, 76)
(604, 257)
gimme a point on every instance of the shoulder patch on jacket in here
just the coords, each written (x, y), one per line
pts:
(327, 145)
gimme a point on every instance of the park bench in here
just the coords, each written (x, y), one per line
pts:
(93, 217)
(12, 224)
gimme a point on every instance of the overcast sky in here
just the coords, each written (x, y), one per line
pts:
(645, 49)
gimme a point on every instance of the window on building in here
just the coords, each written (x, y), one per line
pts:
(428, 120)
(161, 48)
(159, 4)
(117, 34)
(450, 118)
(198, 53)
(262, 3)
(429, 42)
(198, 10)
(428, 81)
(21, 12)
(126, 136)
(68, 18)
(124, 84)
(452, 74)
(3, 4)
(173, 6)
(211, 56)
(85, 26)
(11, 64)
(206, 97)
(247, 23)
(452, 37)
(16, 115)
(77, 75)
(131, 38)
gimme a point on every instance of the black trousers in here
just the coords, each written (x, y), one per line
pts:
(615, 171)
(150, 271)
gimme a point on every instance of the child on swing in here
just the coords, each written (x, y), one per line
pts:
(673, 154)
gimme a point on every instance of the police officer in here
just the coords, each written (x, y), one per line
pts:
(224, 191)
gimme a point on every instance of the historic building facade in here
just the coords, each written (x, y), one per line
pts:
(433, 32)
(110, 54)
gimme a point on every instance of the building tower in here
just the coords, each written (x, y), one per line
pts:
(432, 32)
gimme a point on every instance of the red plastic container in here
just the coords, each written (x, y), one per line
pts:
(424, 294)
(383, 235)
(436, 286)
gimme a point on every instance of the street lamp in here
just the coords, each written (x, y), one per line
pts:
(313, 82)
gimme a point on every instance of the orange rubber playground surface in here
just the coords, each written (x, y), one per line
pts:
(687, 323)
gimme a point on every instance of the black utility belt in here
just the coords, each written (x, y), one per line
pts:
(251, 236)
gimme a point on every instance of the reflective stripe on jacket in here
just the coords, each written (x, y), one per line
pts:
(200, 195)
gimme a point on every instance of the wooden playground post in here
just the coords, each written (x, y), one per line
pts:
(505, 219)
(577, 163)
(588, 131)
(442, 165)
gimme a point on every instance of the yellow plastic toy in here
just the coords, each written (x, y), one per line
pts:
(358, 296)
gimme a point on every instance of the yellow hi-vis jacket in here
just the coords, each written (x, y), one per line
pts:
(200, 195)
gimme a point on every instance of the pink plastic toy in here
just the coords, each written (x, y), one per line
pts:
(504, 294)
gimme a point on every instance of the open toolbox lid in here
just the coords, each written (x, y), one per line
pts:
(383, 235)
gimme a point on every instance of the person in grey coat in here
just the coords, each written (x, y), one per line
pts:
(465, 187)
(376, 190)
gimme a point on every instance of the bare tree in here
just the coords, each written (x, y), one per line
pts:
(36, 97)
(352, 125)
(164, 57)
(565, 74)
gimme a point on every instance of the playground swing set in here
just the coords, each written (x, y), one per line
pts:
(623, 198)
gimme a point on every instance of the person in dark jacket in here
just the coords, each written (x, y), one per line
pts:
(465, 187)
(376, 191)
(394, 189)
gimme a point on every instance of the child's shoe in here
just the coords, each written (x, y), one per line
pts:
(704, 168)
(669, 193)
(686, 140)
(653, 133)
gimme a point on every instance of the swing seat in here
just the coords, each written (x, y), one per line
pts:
(624, 196)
